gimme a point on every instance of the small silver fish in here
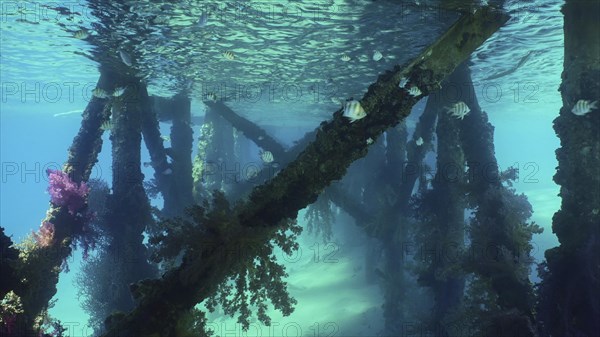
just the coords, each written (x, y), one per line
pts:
(414, 91)
(369, 141)
(345, 58)
(118, 91)
(228, 55)
(67, 113)
(354, 111)
(377, 55)
(583, 106)
(147, 164)
(203, 21)
(419, 141)
(167, 172)
(159, 19)
(459, 110)
(81, 34)
(100, 93)
(165, 138)
(266, 156)
(403, 82)
(125, 58)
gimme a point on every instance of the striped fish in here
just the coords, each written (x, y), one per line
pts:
(118, 91)
(459, 109)
(354, 111)
(100, 93)
(81, 34)
(228, 55)
(414, 91)
(266, 156)
(211, 96)
(583, 106)
(106, 125)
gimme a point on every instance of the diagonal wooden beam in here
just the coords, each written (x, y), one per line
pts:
(252, 131)
(338, 143)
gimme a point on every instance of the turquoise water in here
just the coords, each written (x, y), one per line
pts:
(44, 75)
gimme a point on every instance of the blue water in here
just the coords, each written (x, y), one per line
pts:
(39, 67)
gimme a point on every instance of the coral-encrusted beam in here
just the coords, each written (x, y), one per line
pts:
(43, 264)
(337, 144)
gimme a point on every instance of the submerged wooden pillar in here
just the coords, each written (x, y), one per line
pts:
(179, 172)
(42, 266)
(129, 208)
(570, 291)
(154, 141)
(415, 154)
(215, 157)
(172, 165)
(443, 231)
(499, 226)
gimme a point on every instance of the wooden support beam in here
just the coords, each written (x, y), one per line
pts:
(338, 143)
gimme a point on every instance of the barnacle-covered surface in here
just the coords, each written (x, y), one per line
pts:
(569, 295)
(8, 261)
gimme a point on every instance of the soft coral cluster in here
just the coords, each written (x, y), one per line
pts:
(46, 234)
(65, 192)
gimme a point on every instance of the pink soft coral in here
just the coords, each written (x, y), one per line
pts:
(65, 192)
(45, 236)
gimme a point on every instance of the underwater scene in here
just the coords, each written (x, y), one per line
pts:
(300, 168)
